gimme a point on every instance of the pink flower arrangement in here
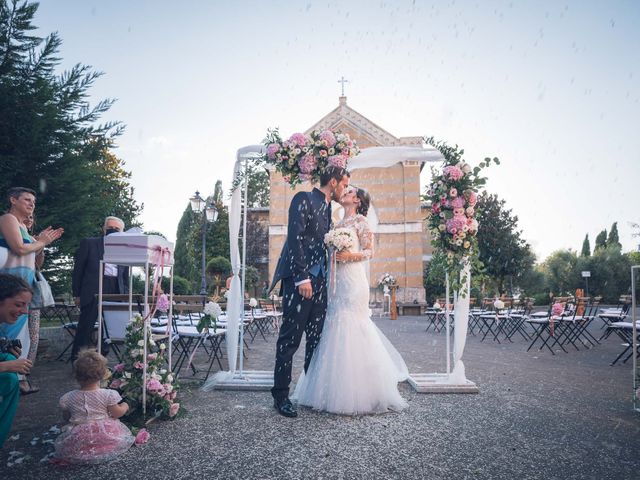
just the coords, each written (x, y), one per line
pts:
(470, 211)
(453, 193)
(308, 163)
(115, 384)
(138, 365)
(328, 137)
(142, 436)
(154, 385)
(472, 198)
(339, 161)
(119, 367)
(453, 173)
(152, 356)
(173, 409)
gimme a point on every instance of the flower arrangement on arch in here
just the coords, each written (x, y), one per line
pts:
(303, 157)
(386, 280)
(452, 195)
(127, 376)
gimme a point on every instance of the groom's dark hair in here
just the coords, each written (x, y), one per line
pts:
(333, 172)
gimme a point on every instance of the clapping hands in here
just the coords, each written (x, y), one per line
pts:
(50, 235)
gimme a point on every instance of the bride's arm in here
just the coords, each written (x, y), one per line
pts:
(365, 235)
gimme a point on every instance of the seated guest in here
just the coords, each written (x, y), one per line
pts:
(94, 434)
(85, 281)
(15, 296)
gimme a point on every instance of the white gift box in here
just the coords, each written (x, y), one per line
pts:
(136, 248)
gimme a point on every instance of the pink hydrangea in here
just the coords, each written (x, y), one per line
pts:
(328, 137)
(142, 436)
(163, 303)
(457, 202)
(455, 224)
(339, 161)
(453, 172)
(119, 367)
(305, 177)
(154, 385)
(557, 309)
(272, 149)
(173, 409)
(308, 163)
(298, 139)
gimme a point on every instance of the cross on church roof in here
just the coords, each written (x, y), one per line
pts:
(343, 81)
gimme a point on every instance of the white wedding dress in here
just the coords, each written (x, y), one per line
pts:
(354, 369)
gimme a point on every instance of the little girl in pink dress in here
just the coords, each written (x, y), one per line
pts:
(94, 433)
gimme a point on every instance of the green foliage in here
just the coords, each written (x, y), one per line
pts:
(49, 140)
(218, 268)
(252, 277)
(601, 240)
(502, 250)
(184, 264)
(181, 286)
(586, 247)
(562, 276)
(434, 277)
(259, 186)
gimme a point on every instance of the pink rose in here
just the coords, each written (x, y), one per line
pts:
(453, 193)
(472, 198)
(119, 367)
(339, 161)
(470, 211)
(458, 212)
(173, 395)
(287, 178)
(116, 383)
(328, 137)
(323, 153)
(152, 356)
(138, 365)
(142, 436)
(557, 309)
(272, 149)
(173, 409)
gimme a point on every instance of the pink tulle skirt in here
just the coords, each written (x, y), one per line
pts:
(95, 442)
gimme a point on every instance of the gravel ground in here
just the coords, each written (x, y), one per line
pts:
(566, 416)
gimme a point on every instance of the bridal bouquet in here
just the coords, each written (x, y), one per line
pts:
(452, 196)
(386, 280)
(303, 157)
(340, 239)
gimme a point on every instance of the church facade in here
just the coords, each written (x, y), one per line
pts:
(396, 214)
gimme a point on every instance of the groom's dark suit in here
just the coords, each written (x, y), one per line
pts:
(303, 258)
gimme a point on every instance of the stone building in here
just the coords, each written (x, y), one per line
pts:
(396, 215)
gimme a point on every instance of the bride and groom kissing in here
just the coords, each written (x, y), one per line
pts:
(350, 367)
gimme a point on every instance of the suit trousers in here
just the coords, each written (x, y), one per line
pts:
(298, 315)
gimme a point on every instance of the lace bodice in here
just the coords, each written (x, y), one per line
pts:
(87, 406)
(363, 232)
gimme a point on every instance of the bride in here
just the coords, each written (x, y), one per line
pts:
(355, 369)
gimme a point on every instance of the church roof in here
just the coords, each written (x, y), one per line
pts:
(345, 118)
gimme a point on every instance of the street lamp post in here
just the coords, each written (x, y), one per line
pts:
(209, 215)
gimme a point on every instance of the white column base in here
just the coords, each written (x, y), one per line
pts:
(439, 383)
(254, 380)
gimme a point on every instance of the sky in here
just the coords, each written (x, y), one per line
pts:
(549, 87)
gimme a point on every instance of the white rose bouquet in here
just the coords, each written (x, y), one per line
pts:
(211, 313)
(340, 239)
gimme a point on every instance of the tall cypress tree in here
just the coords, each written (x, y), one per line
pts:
(601, 240)
(586, 247)
(614, 238)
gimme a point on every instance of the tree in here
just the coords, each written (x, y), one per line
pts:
(184, 264)
(217, 268)
(259, 186)
(601, 241)
(586, 247)
(614, 238)
(502, 250)
(561, 272)
(49, 140)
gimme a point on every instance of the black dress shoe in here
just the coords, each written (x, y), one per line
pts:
(285, 408)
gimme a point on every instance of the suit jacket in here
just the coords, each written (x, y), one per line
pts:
(304, 252)
(86, 268)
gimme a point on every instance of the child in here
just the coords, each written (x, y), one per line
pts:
(94, 433)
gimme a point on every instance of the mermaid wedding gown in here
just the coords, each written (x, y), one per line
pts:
(355, 369)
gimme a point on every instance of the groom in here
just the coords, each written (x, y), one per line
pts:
(303, 270)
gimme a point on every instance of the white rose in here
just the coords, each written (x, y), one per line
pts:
(163, 346)
(169, 388)
(466, 168)
(253, 303)
(134, 353)
(163, 371)
(498, 304)
(169, 378)
(141, 343)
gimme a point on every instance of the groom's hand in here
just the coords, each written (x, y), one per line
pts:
(306, 290)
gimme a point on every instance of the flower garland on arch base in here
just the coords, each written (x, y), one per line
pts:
(452, 222)
(303, 157)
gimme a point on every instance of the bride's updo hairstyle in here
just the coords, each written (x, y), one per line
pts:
(365, 201)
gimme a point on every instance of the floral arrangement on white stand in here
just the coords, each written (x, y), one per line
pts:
(212, 312)
(127, 377)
